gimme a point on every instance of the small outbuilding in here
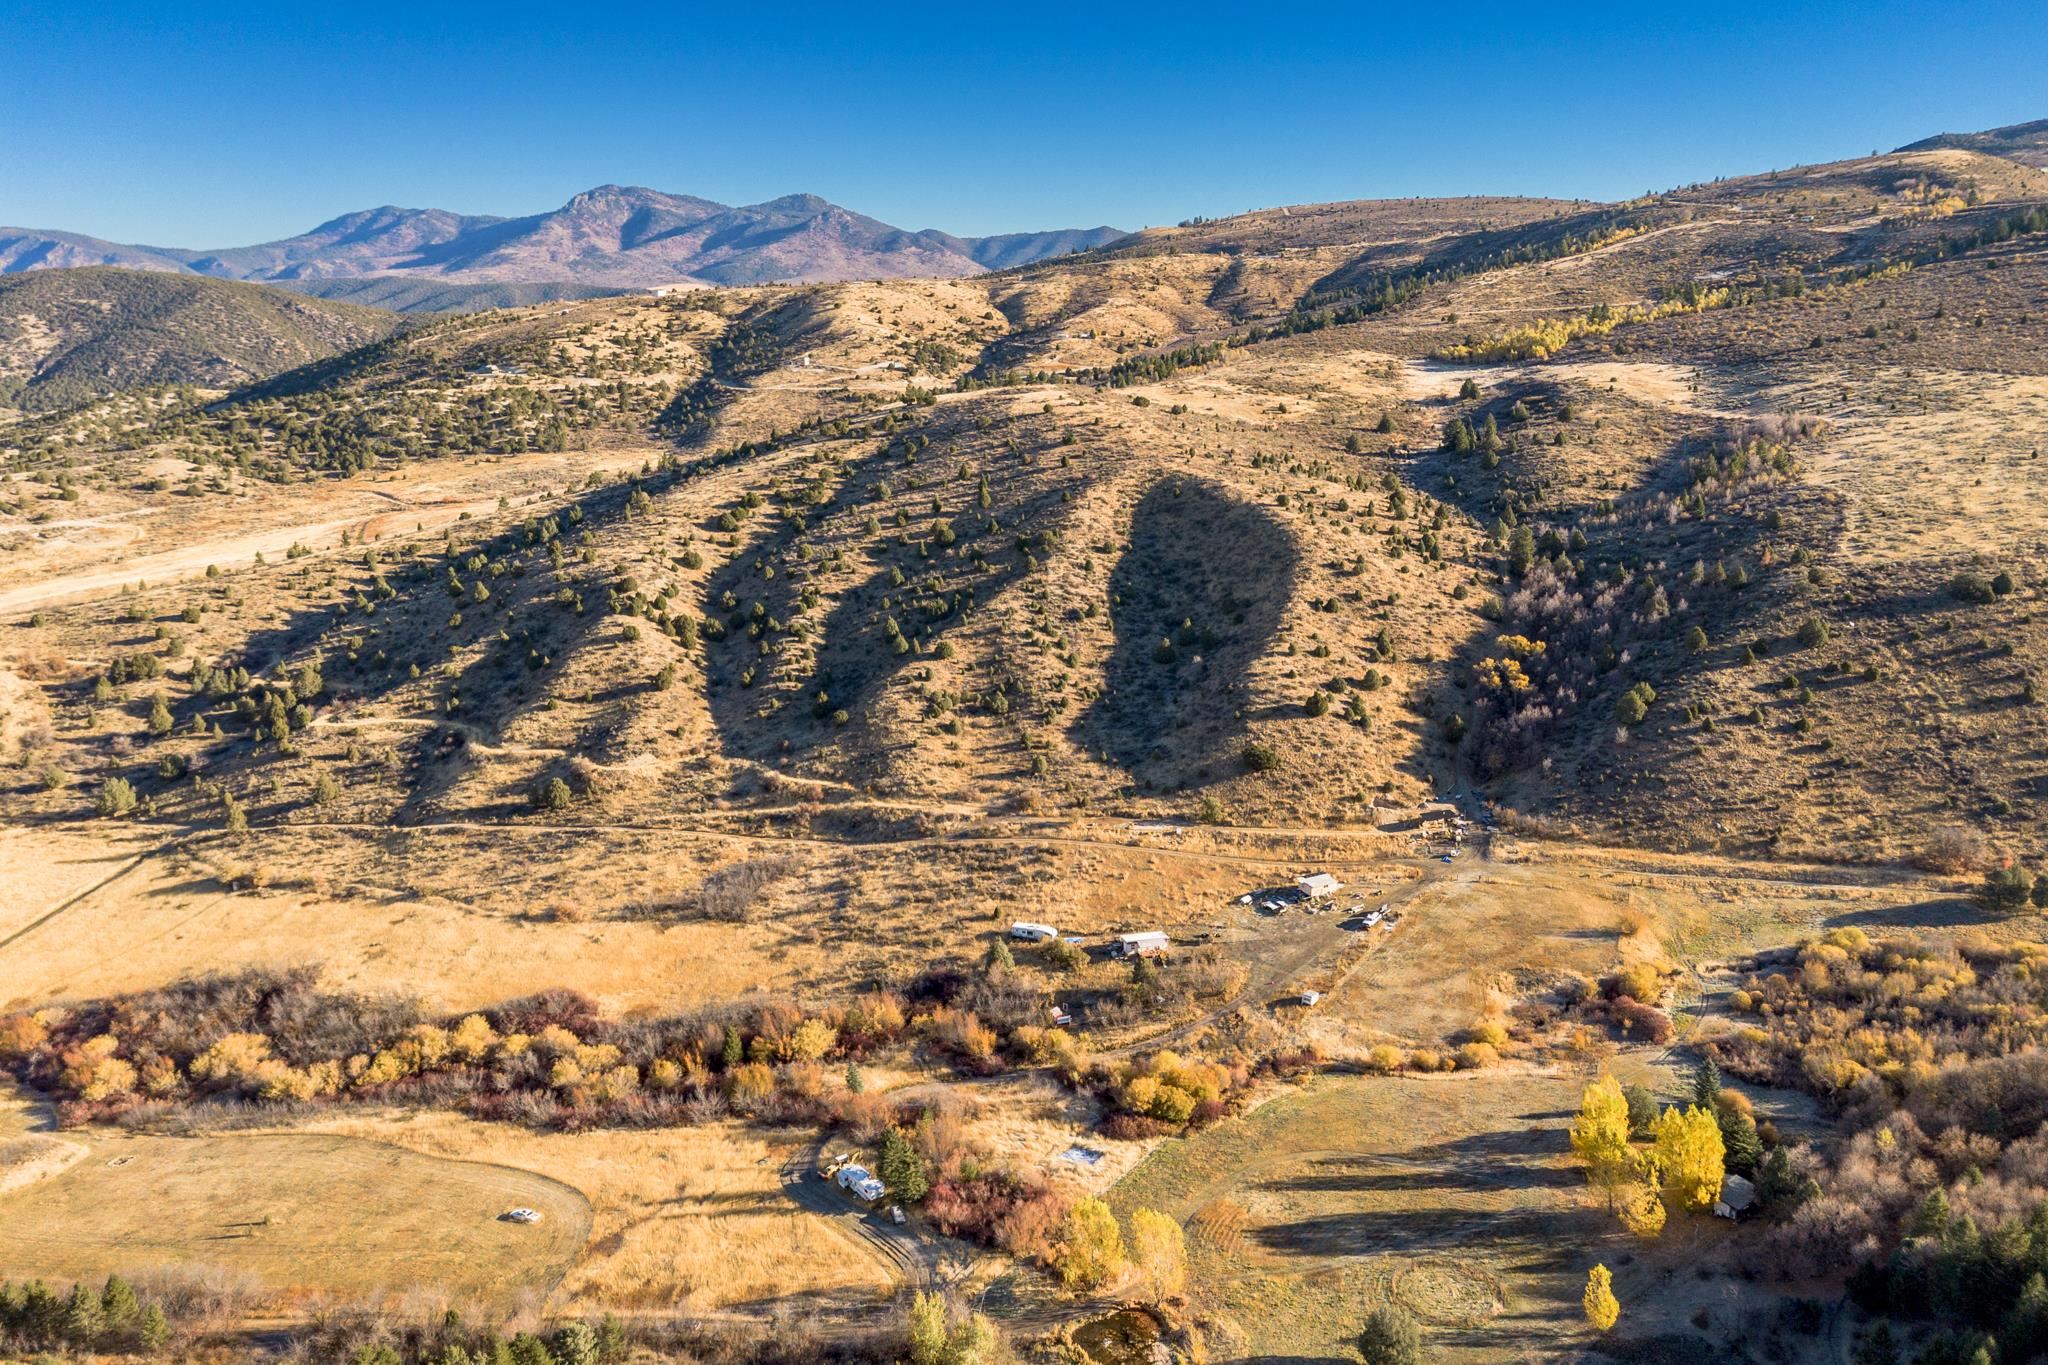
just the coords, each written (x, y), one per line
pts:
(1149, 943)
(1318, 885)
(1737, 1195)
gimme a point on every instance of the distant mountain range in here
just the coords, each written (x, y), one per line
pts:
(605, 240)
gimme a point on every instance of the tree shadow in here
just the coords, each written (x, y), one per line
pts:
(786, 680)
(1197, 599)
(394, 635)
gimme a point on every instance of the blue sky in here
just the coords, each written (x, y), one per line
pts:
(221, 125)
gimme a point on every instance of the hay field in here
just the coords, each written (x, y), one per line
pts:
(1449, 1195)
(307, 1214)
(687, 1219)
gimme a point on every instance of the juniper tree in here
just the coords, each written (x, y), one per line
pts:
(118, 1304)
(154, 1332)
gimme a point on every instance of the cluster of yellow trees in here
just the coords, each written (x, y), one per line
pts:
(1926, 198)
(937, 1338)
(245, 1061)
(1546, 336)
(1093, 1252)
(1170, 1087)
(1884, 1020)
(1505, 672)
(1680, 1170)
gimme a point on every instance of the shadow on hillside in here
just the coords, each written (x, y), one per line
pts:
(1423, 1231)
(1197, 599)
(1944, 912)
(1367, 273)
(527, 627)
(776, 692)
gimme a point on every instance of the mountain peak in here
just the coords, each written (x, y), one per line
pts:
(795, 203)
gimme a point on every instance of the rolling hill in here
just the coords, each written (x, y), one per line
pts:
(68, 336)
(1138, 424)
(640, 712)
(2026, 143)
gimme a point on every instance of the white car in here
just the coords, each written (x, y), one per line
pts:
(522, 1215)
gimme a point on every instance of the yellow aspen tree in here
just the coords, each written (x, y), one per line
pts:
(928, 1330)
(1600, 1135)
(1602, 1308)
(1641, 1207)
(1091, 1249)
(1160, 1250)
(1688, 1150)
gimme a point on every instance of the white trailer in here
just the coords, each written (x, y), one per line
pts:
(1149, 943)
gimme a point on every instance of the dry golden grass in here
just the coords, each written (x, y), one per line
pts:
(165, 918)
(307, 1214)
(1451, 1196)
(1252, 493)
(690, 1219)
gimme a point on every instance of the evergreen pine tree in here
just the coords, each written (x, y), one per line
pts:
(1879, 1347)
(903, 1168)
(155, 1332)
(575, 1343)
(118, 1304)
(1742, 1147)
(1706, 1084)
(83, 1321)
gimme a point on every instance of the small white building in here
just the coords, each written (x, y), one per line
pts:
(1318, 885)
(1031, 932)
(1150, 943)
(1737, 1194)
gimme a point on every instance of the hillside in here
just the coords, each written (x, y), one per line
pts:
(589, 759)
(404, 294)
(1152, 461)
(607, 239)
(2022, 142)
(69, 336)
